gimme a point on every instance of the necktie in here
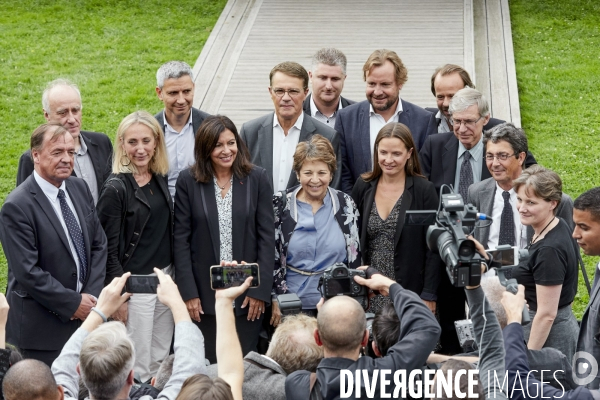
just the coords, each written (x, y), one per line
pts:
(75, 233)
(507, 222)
(466, 176)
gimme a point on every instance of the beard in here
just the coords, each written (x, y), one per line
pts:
(391, 101)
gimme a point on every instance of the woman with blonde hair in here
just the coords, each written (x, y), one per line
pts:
(136, 212)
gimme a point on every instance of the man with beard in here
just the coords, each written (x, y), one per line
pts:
(358, 124)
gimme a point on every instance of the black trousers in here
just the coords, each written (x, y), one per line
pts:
(451, 307)
(45, 356)
(247, 331)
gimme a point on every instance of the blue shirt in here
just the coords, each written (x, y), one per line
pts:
(316, 243)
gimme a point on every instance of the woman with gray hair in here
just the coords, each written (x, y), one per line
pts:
(550, 273)
(316, 226)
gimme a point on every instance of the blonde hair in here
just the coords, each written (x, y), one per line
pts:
(379, 57)
(159, 163)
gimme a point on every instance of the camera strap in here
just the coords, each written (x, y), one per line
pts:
(315, 388)
(305, 273)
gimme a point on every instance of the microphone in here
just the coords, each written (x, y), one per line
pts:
(484, 217)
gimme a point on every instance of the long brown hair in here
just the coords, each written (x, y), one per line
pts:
(398, 131)
(206, 140)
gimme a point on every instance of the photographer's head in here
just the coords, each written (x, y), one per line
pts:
(341, 328)
(386, 329)
(200, 386)
(31, 379)
(106, 361)
(449, 369)
(293, 345)
(586, 215)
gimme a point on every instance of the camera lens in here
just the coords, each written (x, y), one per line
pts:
(219, 277)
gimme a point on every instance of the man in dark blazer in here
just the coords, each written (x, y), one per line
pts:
(179, 120)
(327, 78)
(506, 140)
(586, 215)
(61, 102)
(278, 133)
(445, 82)
(359, 123)
(55, 248)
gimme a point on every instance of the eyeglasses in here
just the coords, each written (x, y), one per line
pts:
(281, 92)
(499, 156)
(468, 123)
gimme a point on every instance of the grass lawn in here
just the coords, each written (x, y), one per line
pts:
(110, 48)
(558, 72)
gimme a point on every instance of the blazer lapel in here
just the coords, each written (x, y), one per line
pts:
(487, 207)
(47, 208)
(369, 199)
(209, 203)
(265, 144)
(449, 160)
(97, 164)
(404, 206)
(239, 211)
(364, 125)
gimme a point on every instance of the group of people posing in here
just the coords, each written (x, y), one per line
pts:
(321, 180)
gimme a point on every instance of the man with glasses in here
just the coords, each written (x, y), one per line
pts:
(445, 82)
(272, 138)
(505, 156)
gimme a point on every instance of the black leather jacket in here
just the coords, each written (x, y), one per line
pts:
(123, 236)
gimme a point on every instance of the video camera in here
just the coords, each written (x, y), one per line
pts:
(447, 238)
(338, 280)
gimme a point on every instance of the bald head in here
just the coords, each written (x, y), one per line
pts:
(341, 324)
(30, 379)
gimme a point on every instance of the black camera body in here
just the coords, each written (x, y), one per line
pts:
(289, 304)
(338, 280)
(447, 238)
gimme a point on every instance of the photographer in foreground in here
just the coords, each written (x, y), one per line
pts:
(341, 330)
(104, 356)
(517, 366)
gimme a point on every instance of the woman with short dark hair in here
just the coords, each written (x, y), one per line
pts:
(223, 213)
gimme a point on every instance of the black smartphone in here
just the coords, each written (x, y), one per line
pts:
(223, 277)
(141, 284)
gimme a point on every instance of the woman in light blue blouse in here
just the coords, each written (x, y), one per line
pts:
(315, 226)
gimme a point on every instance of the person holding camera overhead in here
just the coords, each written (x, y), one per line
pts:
(136, 212)
(550, 274)
(315, 227)
(383, 196)
(223, 213)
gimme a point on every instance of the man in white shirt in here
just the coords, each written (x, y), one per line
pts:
(505, 152)
(359, 124)
(55, 248)
(327, 78)
(272, 138)
(179, 120)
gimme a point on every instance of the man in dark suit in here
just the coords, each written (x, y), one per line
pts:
(445, 82)
(505, 152)
(55, 248)
(327, 80)
(359, 124)
(179, 120)
(61, 102)
(272, 138)
(586, 215)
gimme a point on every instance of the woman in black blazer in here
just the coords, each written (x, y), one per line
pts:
(223, 211)
(383, 196)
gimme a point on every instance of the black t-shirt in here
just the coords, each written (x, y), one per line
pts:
(154, 247)
(552, 261)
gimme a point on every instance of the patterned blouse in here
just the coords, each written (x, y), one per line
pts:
(224, 211)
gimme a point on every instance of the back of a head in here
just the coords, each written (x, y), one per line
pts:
(293, 346)
(202, 387)
(386, 328)
(106, 359)
(30, 379)
(493, 290)
(341, 323)
(452, 366)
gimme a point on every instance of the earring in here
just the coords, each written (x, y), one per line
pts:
(127, 158)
